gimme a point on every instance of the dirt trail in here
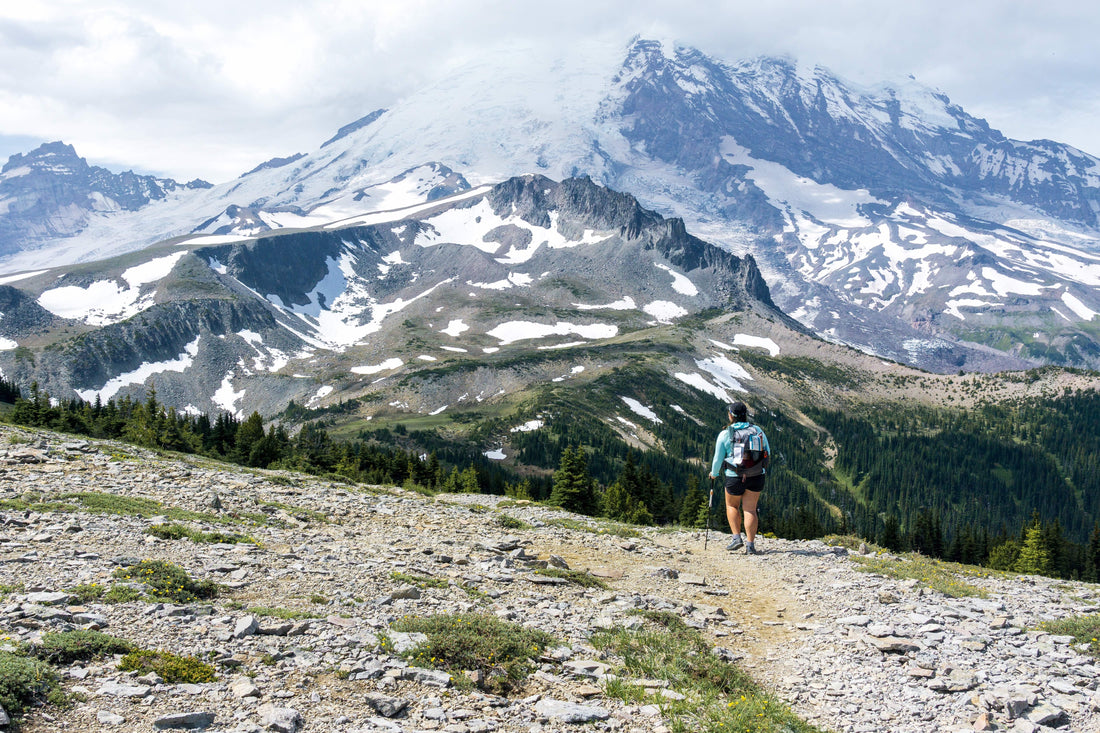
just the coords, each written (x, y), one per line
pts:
(758, 599)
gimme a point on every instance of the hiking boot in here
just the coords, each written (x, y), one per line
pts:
(750, 548)
(735, 543)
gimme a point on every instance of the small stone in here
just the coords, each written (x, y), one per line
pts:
(1047, 715)
(984, 722)
(188, 721)
(114, 689)
(280, 720)
(244, 688)
(385, 705)
(106, 717)
(246, 626)
(49, 598)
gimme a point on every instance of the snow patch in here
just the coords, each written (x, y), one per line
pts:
(761, 342)
(495, 455)
(694, 379)
(1074, 304)
(627, 303)
(455, 327)
(513, 331)
(143, 372)
(664, 311)
(387, 365)
(680, 283)
(640, 409)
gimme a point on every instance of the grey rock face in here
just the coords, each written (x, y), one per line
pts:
(569, 712)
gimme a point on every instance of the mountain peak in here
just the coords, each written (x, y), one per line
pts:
(60, 157)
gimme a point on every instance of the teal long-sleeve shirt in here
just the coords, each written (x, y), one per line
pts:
(723, 449)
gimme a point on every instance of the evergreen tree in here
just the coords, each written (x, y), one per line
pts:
(1003, 556)
(890, 537)
(573, 488)
(1092, 555)
(249, 433)
(1033, 558)
(694, 502)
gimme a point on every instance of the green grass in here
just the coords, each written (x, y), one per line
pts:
(286, 614)
(6, 589)
(1084, 629)
(576, 577)
(719, 697)
(502, 651)
(602, 527)
(167, 582)
(178, 532)
(945, 577)
(172, 668)
(420, 581)
(509, 522)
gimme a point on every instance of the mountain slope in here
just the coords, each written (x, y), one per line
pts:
(886, 218)
(526, 265)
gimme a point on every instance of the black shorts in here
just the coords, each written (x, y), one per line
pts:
(735, 485)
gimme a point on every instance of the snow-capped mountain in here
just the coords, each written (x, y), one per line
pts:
(469, 285)
(887, 218)
(51, 194)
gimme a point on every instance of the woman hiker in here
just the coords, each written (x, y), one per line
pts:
(741, 453)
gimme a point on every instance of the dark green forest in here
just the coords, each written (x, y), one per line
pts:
(1012, 486)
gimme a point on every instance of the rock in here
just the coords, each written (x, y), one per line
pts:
(280, 720)
(244, 688)
(1047, 715)
(188, 721)
(385, 705)
(894, 645)
(984, 722)
(404, 641)
(570, 712)
(431, 677)
(5, 721)
(115, 689)
(556, 561)
(854, 620)
(49, 598)
(106, 717)
(245, 626)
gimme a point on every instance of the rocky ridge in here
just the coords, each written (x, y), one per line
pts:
(846, 650)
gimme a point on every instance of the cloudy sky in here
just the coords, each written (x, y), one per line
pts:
(210, 89)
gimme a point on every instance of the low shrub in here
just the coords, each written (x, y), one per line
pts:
(501, 651)
(23, 682)
(577, 577)
(179, 532)
(1084, 630)
(87, 592)
(168, 582)
(172, 668)
(65, 647)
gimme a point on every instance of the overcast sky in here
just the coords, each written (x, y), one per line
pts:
(210, 89)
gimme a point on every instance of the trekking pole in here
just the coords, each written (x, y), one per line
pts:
(710, 503)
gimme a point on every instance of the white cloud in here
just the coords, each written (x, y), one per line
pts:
(210, 89)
